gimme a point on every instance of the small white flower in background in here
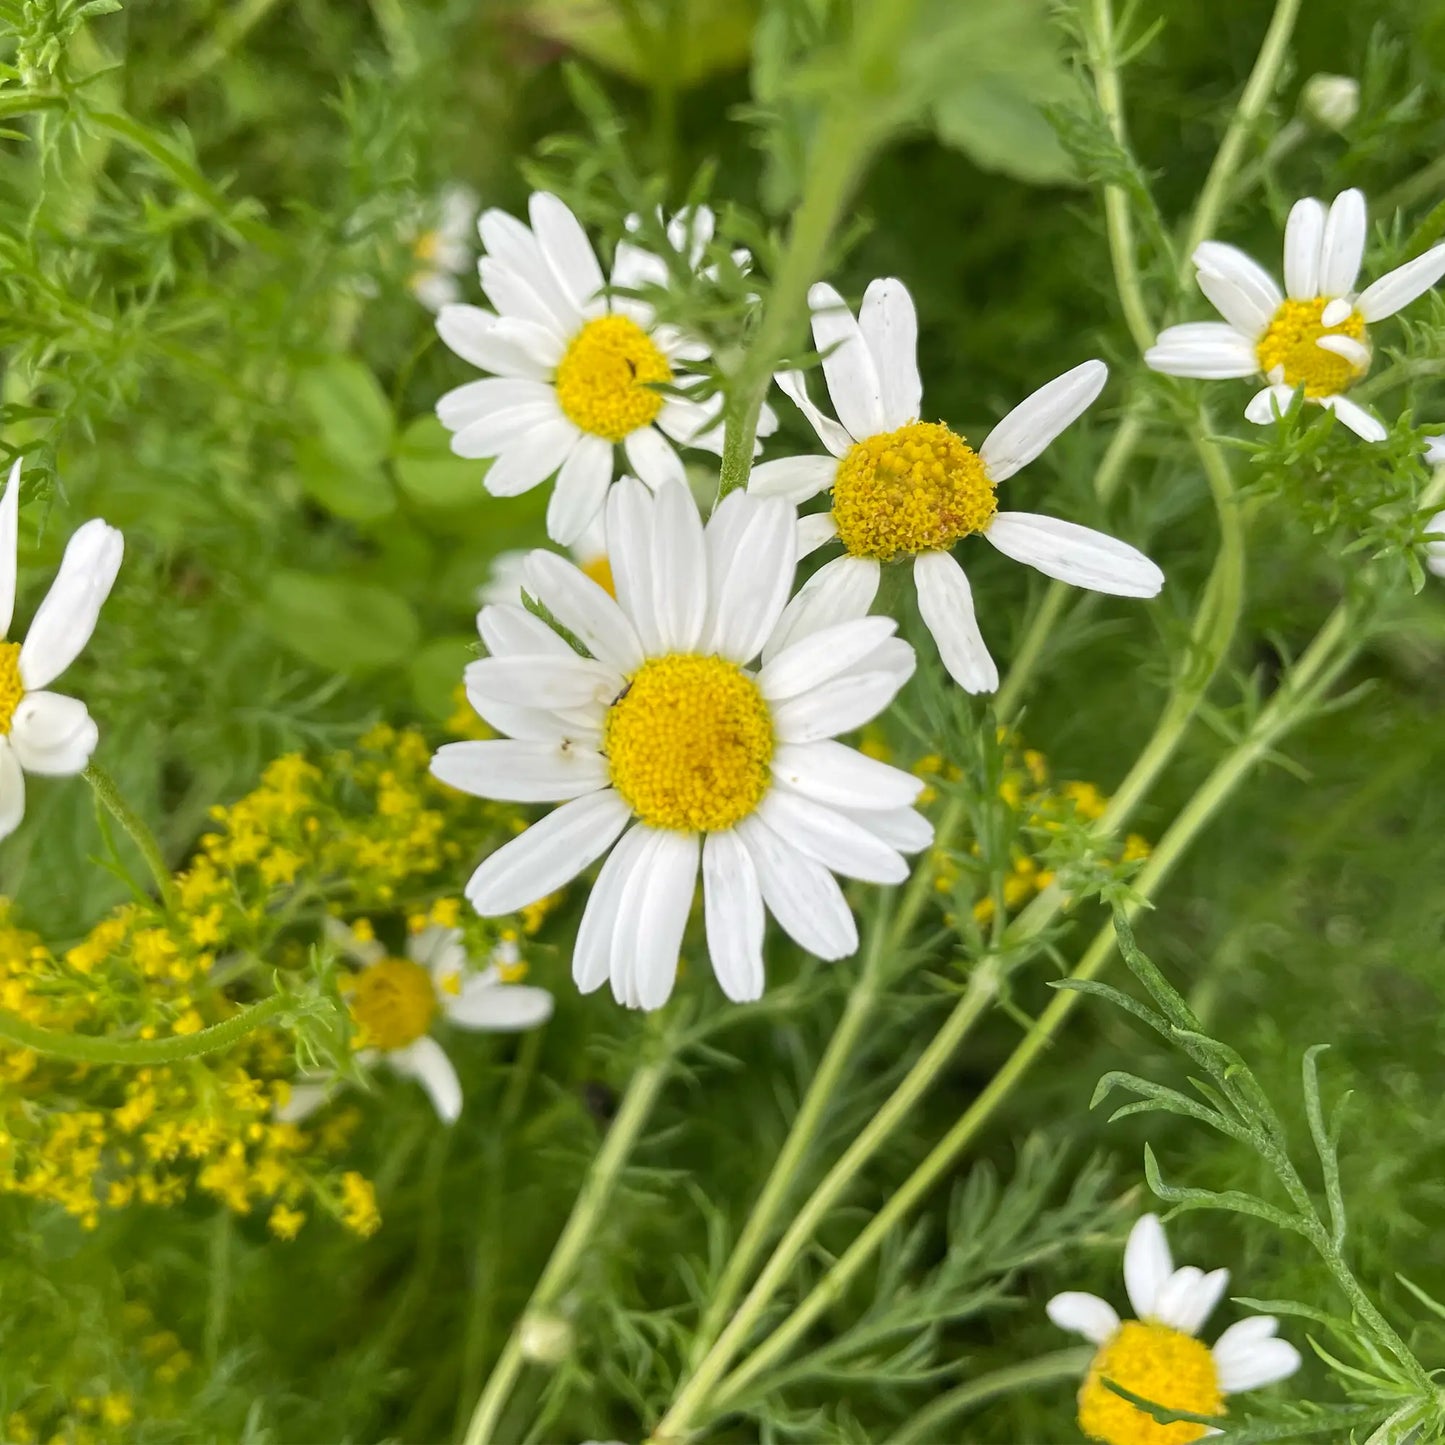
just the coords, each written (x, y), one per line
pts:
(576, 372)
(1157, 1356)
(507, 573)
(41, 732)
(395, 1001)
(443, 251)
(1331, 101)
(672, 743)
(1315, 336)
(1435, 551)
(905, 488)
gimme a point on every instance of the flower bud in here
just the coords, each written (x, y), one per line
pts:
(1331, 101)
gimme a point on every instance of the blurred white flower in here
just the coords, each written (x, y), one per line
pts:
(1331, 101)
(905, 488)
(1315, 336)
(506, 578)
(1156, 1356)
(666, 743)
(42, 732)
(443, 252)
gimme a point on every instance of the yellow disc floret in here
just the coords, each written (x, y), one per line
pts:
(599, 569)
(605, 380)
(917, 489)
(11, 688)
(689, 743)
(1159, 1364)
(1290, 343)
(393, 1003)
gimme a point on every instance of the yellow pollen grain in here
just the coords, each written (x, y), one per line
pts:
(1290, 340)
(918, 489)
(605, 381)
(689, 743)
(1156, 1363)
(393, 1003)
(11, 688)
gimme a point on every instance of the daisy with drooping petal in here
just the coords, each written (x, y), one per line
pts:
(442, 252)
(576, 373)
(1157, 1356)
(43, 732)
(699, 734)
(1314, 337)
(902, 488)
(394, 1001)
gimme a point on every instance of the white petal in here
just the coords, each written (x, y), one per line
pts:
(565, 245)
(1398, 288)
(945, 601)
(1245, 311)
(303, 1101)
(838, 706)
(795, 479)
(654, 458)
(1355, 352)
(581, 489)
(838, 843)
(693, 423)
(553, 851)
(489, 436)
(1083, 1314)
(1335, 312)
(1147, 1264)
(1198, 1304)
(492, 1007)
(843, 589)
(1343, 247)
(1353, 415)
(814, 531)
(679, 569)
(52, 734)
(829, 772)
(652, 918)
(902, 828)
(1039, 418)
(1269, 403)
(1171, 1306)
(1435, 551)
(1247, 1356)
(531, 458)
(853, 382)
(813, 660)
(508, 629)
(9, 546)
(629, 550)
(427, 1063)
(68, 615)
(733, 905)
(511, 244)
(368, 952)
(516, 297)
(592, 952)
(439, 950)
(544, 682)
(434, 289)
(520, 772)
(585, 609)
(492, 396)
(502, 345)
(1079, 555)
(889, 324)
(749, 575)
(795, 388)
(1208, 350)
(802, 895)
(12, 789)
(1254, 298)
(1304, 233)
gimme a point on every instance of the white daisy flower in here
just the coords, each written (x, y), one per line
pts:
(507, 575)
(443, 252)
(42, 732)
(1314, 337)
(905, 488)
(700, 732)
(1157, 1356)
(395, 1001)
(575, 373)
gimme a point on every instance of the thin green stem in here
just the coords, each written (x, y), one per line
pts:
(576, 1237)
(90, 1049)
(107, 793)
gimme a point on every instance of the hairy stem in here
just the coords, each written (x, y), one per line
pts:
(108, 794)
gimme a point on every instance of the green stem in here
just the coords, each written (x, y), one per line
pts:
(228, 32)
(89, 1049)
(107, 793)
(576, 1237)
(934, 1422)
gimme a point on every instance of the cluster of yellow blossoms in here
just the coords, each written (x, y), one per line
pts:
(362, 829)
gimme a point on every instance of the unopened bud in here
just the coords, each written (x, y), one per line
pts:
(546, 1339)
(1331, 101)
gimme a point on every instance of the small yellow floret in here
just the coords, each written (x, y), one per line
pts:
(11, 688)
(393, 1003)
(918, 489)
(605, 382)
(689, 743)
(1158, 1364)
(1290, 344)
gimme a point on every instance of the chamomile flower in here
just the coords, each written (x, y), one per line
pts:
(1157, 1356)
(43, 732)
(902, 488)
(576, 373)
(699, 733)
(442, 251)
(1315, 336)
(507, 577)
(394, 1002)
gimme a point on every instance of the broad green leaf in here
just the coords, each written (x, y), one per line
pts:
(347, 407)
(997, 125)
(427, 471)
(339, 625)
(356, 491)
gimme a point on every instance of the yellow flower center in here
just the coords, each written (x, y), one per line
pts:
(1289, 343)
(689, 743)
(599, 569)
(393, 1003)
(426, 246)
(604, 380)
(917, 489)
(1159, 1364)
(11, 688)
